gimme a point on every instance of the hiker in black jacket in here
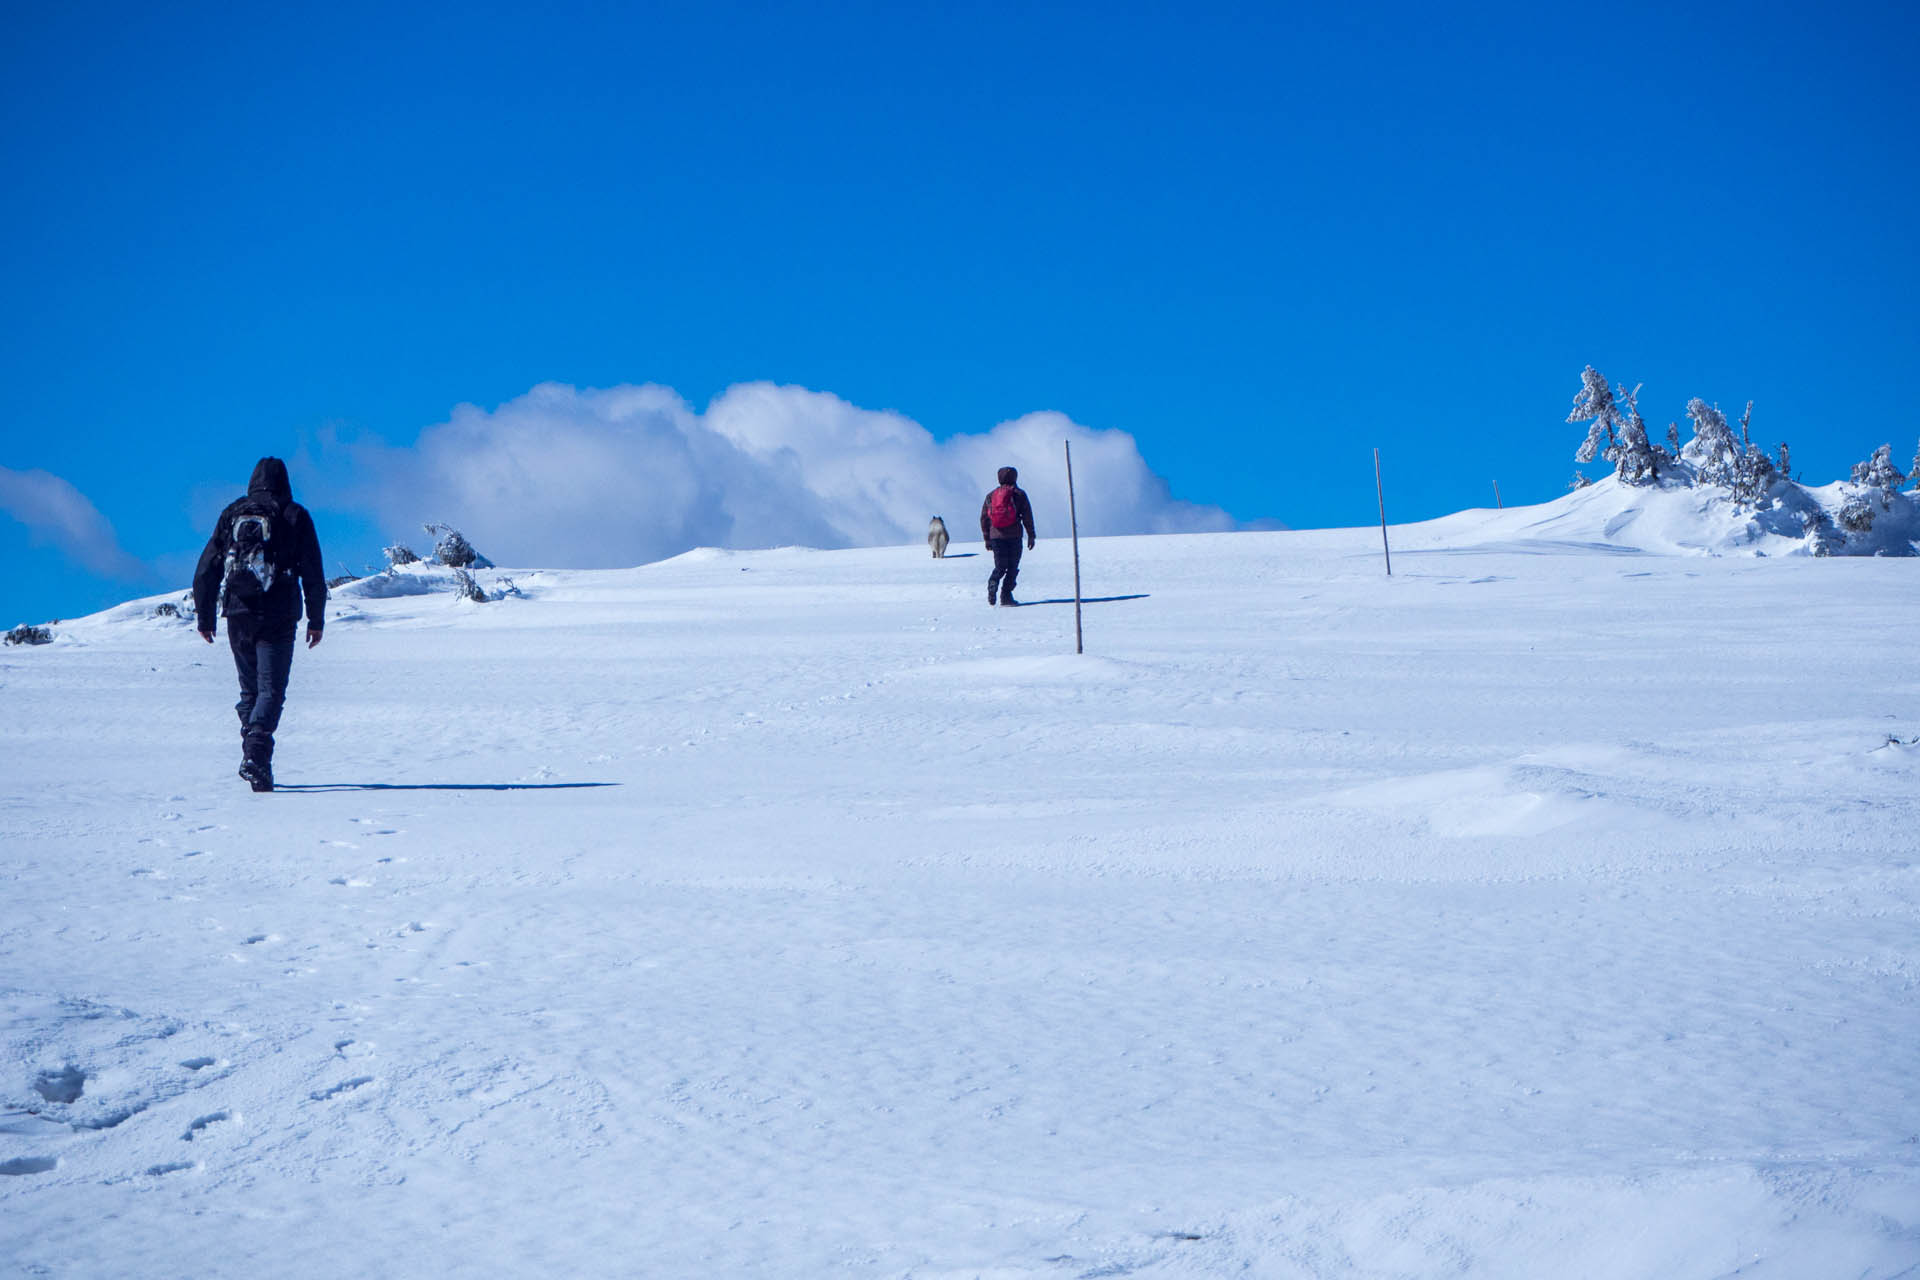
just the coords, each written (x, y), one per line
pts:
(1003, 515)
(260, 546)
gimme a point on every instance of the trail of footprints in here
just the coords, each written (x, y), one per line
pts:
(61, 1106)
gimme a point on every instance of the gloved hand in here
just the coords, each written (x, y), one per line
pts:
(1029, 543)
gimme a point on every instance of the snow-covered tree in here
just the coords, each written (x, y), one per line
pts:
(1594, 401)
(398, 554)
(1913, 468)
(1636, 459)
(1616, 432)
(1879, 471)
(1785, 465)
(1753, 471)
(1713, 451)
(1577, 483)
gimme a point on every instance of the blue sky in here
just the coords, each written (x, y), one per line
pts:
(1260, 240)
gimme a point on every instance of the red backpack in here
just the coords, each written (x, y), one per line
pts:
(1001, 511)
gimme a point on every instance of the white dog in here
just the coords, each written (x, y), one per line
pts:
(937, 537)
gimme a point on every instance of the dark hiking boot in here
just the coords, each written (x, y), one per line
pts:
(259, 776)
(992, 596)
(1006, 598)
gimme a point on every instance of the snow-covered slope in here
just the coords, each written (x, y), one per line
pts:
(1684, 519)
(1536, 911)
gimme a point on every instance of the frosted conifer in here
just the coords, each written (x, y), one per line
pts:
(1578, 483)
(1713, 451)
(1913, 468)
(1595, 401)
(1636, 459)
(1879, 471)
(1785, 465)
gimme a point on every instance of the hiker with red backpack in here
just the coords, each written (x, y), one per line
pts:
(1002, 517)
(262, 545)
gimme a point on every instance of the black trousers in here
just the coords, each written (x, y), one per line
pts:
(1006, 565)
(263, 658)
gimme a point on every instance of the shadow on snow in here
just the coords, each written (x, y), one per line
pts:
(439, 786)
(1028, 604)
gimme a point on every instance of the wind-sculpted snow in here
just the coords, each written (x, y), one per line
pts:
(1548, 908)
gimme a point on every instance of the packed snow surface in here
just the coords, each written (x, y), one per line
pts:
(1549, 908)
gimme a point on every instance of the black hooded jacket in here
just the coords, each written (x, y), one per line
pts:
(295, 551)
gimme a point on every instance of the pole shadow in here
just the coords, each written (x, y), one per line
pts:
(439, 786)
(958, 555)
(1028, 604)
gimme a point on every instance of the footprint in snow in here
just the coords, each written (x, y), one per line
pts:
(65, 1085)
(350, 883)
(22, 1165)
(198, 1130)
(345, 1086)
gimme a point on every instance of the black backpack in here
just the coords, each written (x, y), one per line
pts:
(256, 539)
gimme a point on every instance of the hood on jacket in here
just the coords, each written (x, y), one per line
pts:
(1008, 475)
(270, 480)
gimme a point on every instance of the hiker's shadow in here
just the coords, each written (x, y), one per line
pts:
(1028, 604)
(958, 555)
(439, 786)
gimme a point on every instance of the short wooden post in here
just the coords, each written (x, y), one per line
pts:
(1381, 493)
(1073, 516)
(1496, 496)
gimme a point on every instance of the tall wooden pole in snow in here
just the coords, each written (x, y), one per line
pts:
(1073, 514)
(1381, 493)
(1496, 495)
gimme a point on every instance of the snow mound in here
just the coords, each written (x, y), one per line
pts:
(1678, 517)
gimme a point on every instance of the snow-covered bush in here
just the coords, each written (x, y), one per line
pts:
(1857, 513)
(399, 554)
(24, 634)
(1578, 482)
(1913, 468)
(465, 587)
(1823, 539)
(453, 549)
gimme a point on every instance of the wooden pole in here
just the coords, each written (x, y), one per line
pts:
(1496, 495)
(1073, 514)
(1381, 493)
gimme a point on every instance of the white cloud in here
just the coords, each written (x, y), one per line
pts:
(60, 515)
(626, 475)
